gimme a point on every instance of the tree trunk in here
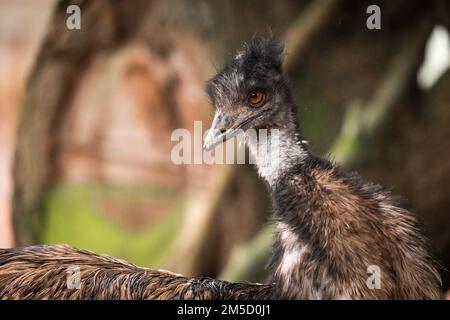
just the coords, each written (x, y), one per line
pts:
(62, 59)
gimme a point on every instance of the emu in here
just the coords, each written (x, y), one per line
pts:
(331, 225)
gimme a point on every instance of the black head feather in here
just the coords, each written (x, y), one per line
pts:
(262, 53)
(257, 65)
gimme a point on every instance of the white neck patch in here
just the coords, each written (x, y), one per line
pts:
(293, 252)
(275, 152)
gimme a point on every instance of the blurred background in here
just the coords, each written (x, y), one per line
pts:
(86, 117)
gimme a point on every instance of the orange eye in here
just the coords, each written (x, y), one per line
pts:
(255, 98)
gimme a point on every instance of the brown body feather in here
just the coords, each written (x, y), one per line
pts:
(41, 272)
(342, 226)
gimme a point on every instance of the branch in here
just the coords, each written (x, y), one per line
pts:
(246, 260)
(361, 122)
(300, 33)
(188, 248)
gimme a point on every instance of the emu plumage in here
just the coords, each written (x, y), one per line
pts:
(331, 225)
(41, 272)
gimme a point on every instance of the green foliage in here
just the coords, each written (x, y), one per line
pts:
(320, 122)
(73, 217)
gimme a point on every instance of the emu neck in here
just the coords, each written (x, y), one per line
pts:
(276, 153)
(287, 153)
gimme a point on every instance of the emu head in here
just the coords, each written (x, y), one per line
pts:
(250, 92)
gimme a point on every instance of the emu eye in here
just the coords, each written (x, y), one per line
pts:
(256, 98)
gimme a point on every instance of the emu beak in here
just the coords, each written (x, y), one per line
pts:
(219, 132)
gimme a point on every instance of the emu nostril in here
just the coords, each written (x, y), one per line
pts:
(225, 120)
